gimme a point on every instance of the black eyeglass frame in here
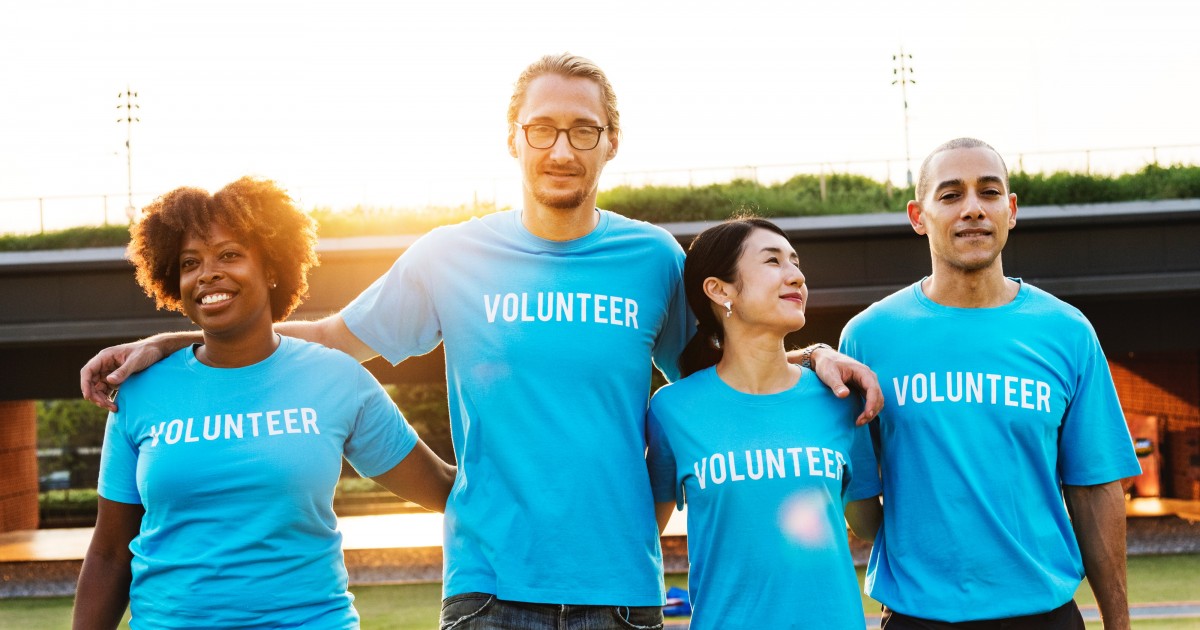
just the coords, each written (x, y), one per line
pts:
(559, 130)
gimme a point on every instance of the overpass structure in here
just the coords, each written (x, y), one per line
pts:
(1133, 268)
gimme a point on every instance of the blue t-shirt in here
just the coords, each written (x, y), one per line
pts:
(236, 469)
(988, 412)
(548, 361)
(765, 478)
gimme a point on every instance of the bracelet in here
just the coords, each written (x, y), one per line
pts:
(807, 353)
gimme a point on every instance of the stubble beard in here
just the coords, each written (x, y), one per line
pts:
(562, 200)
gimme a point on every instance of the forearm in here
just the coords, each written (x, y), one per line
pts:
(102, 593)
(662, 514)
(170, 342)
(330, 332)
(1098, 517)
(864, 517)
(422, 477)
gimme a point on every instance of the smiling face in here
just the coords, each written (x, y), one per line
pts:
(967, 211)
(224, 285)
(561, 177)
(770, 289)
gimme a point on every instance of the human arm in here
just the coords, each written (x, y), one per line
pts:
(331, 332)
(1098, 517)
(864, 517)
(103, 374)
(103, 590)
(662, 513)
(421, 477)
(837, 371)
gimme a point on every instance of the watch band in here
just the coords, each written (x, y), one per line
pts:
(807, 353)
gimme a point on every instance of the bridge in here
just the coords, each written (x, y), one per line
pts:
(1133, 268)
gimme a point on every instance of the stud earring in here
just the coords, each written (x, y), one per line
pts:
(272, 285)
(728, 309)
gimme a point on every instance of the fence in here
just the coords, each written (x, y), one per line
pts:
(54, 212)
(1106, 161)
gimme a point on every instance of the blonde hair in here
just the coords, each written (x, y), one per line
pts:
(566, 65)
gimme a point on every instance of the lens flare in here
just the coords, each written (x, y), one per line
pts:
(803, 519)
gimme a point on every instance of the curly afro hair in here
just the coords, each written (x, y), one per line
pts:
(257, 211)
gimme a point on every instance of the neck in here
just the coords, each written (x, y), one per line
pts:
(985, 288)
(554, 224)
(756, 363)
(220, 352)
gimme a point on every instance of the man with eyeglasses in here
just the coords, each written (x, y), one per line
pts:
(550, 316)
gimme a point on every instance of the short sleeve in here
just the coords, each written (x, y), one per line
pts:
(1094, 446)
(396, 315)
(381, 437)
(864, 469)
(118, 462)
(660, 461)
(679, 327)
(847, 345)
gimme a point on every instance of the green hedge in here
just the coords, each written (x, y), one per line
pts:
(1152, 182)
(799, 196)
(70, 238)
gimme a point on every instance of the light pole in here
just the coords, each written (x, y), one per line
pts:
(128, 118)
(901, 73)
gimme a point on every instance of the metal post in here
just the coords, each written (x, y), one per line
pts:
(901, 73)
(129, 119)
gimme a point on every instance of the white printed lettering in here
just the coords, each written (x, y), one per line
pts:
(775, 464)
(290, 421)
(901, 390)
(309, 417)
(490, 307)
(174, 428)
(734, 475)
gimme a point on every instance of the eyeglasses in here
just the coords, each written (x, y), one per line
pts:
(582, 137)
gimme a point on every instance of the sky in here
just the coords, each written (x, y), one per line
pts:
(402, 104)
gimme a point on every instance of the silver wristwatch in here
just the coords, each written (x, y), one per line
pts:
(807, 353)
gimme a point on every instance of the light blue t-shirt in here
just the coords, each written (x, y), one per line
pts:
(236, 469)
(548, 361)
(765, 479)
(988, 412)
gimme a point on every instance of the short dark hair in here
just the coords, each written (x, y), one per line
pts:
(957, 143)
(714, 253)
(257, 211)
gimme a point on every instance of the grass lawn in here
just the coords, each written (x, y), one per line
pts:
(415, 607)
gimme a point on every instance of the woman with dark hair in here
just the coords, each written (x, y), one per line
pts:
(218, 471)
(766, 458)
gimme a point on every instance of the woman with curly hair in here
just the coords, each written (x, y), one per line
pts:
(218, 470)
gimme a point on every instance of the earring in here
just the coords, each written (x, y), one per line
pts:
(716, 343)
(272, 285)
(728, 309)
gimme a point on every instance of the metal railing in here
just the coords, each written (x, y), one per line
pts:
(1108, 161)
(24, 215)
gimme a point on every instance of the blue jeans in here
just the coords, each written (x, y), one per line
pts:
(481, 611)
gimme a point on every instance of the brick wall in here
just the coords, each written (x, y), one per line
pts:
(18, 466)
(1167, 385)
